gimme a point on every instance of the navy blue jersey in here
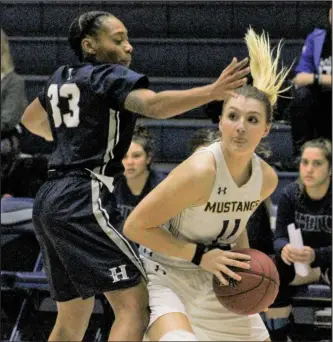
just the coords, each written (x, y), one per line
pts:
(85, 106)
(126, 201)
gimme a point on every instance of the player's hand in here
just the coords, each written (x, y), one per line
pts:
(217, 261)
(232, 77)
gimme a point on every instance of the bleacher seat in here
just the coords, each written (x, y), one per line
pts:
(185, 57)
(227, 19)
(307, 295)
(16, 222)
(33, 85)
(280, 143)
(172, 138)
(312, 311)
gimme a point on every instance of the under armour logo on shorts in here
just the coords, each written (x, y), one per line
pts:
(158, 269)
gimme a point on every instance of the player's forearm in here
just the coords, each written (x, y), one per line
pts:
(158, 240)
(170, 103)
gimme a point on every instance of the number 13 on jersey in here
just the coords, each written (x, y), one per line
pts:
(71, 92)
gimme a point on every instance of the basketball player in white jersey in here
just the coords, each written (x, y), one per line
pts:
(203, 205)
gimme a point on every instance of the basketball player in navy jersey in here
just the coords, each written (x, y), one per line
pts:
(88, 110)
(187, 223)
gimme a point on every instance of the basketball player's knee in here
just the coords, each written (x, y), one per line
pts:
(72, 323)
(69, 331)
(137, 316)
(178, 335)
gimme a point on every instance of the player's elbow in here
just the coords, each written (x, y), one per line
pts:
(155, 110)
(130, 230)
(146, 103)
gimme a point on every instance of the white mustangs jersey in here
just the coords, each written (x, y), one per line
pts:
(223, 218)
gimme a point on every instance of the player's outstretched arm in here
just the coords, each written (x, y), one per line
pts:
(170, 103)
(36, 121)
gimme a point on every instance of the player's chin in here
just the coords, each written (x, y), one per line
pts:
(241, 148)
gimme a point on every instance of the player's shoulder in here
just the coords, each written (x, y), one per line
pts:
(106, 76)
(270, 179)
(112, 70)
(199, 166)
(268, 172)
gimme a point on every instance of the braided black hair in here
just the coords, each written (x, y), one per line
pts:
(85, 24)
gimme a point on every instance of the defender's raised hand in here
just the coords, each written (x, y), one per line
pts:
(232, 77)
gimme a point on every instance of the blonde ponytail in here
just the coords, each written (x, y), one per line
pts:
(264, 67)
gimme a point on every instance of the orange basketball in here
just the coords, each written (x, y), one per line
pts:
(256, 291)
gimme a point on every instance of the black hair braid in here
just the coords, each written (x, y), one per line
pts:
(84, 24)
(74, 36)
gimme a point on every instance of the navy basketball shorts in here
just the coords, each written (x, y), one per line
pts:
(79, 229)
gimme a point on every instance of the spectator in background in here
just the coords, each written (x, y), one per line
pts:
(138, 178)
(310, 111)
(13, 103)
(308, 204)
(13, 97)
(203, 137)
